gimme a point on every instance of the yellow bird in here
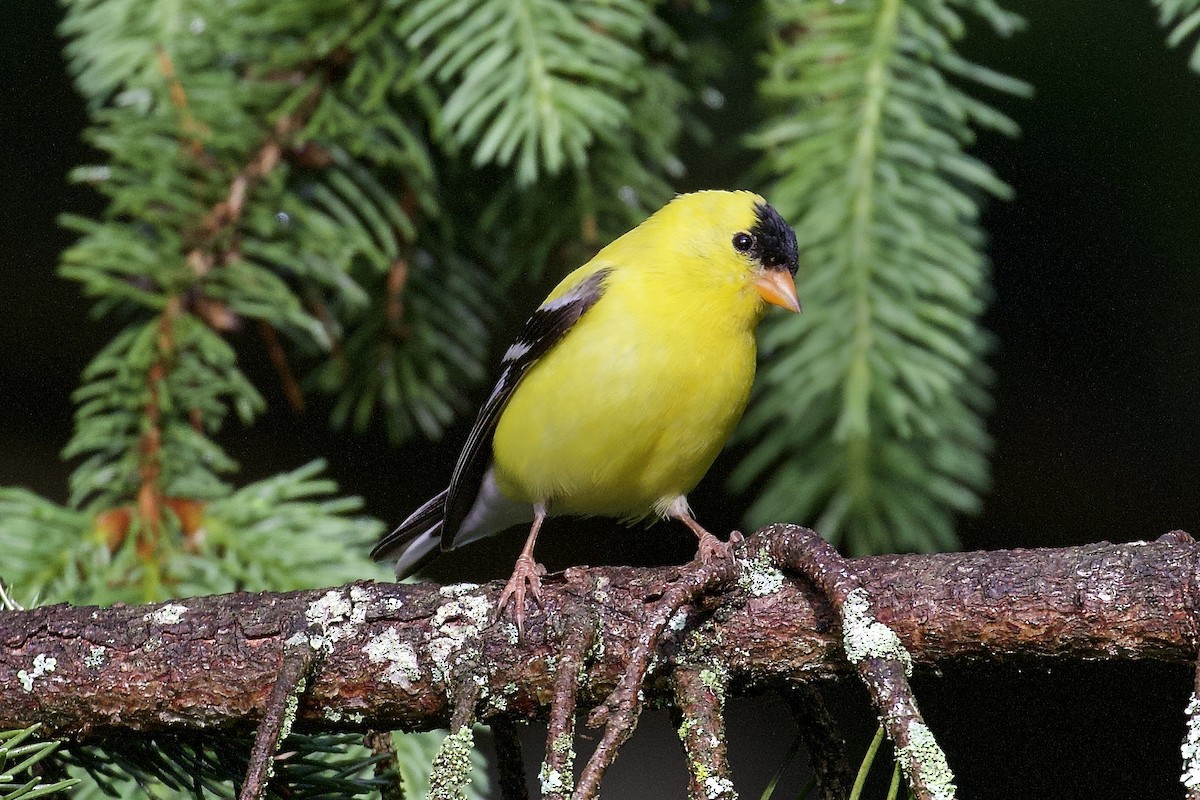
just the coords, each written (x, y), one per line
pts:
(621, 388)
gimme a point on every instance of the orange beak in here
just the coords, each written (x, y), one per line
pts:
(777, 287)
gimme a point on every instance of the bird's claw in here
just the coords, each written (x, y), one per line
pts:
(711, 548)
(526, 577)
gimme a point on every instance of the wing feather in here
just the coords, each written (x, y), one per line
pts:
(544, 329)
(424, 518)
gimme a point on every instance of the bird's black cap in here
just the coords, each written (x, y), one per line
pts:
(775, 240)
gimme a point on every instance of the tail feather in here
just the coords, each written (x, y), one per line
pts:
(415, 542)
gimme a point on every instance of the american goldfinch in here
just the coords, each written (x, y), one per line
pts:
(621, 388)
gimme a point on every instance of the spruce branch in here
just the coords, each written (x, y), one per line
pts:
(20, 752)
(874, 397)
(535, 82)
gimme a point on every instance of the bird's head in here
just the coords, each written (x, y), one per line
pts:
(739, 237)
(770, 244)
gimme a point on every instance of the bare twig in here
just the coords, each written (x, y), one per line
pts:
(619, 713)
(826, 749)
(1190, 750)
(381, 744)
(509, 760)
(278, 716)
(283, 367)
(452, 765)
(874, 650)
(700, 698)
(557, 775)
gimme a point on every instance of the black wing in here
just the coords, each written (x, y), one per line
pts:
(423, 519)
(542, 331)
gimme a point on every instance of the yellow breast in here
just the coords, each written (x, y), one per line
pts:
(630, 409)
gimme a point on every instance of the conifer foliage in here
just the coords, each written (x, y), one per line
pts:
(875, 398)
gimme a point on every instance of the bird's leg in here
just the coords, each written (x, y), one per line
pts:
(710, 547)
(527, 575)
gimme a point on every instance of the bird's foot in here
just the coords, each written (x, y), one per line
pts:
(712, 548)
(526, 577)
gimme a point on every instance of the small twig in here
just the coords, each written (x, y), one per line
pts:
(1190, 749)
(150, 499)
(179, 99)
(397, 279)
(874, 650)
(619, 713)
(380, 743)
(700, 698)
(278, 716)
(466, 695)
(451, 769)
(1191, 743)
(558, 769)
(826, 749)
(509, 761)
(283, 367)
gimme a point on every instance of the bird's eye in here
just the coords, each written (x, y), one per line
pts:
(742, 242)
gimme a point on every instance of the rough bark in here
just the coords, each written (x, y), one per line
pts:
(386, 653)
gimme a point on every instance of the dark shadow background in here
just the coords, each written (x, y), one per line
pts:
(1095, 421)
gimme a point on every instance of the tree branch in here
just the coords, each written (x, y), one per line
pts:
(390, 651)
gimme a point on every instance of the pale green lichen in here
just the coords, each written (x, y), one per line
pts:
(42, 665)
(562, 780)
(169, 614)
(1191, 746)
(759, 576)
(678, 620)
(457, 589)
(337, 615)
(864, 637)
(555, 781)
(400, 657)
(333, 715)
(924, 750)
(685, 728)
(290, 709)
(719, 788)
(596, 651)
(714, 679)
(455, 625)
(451, 770)
(96, 656)
(562, 744)
(299, 639)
